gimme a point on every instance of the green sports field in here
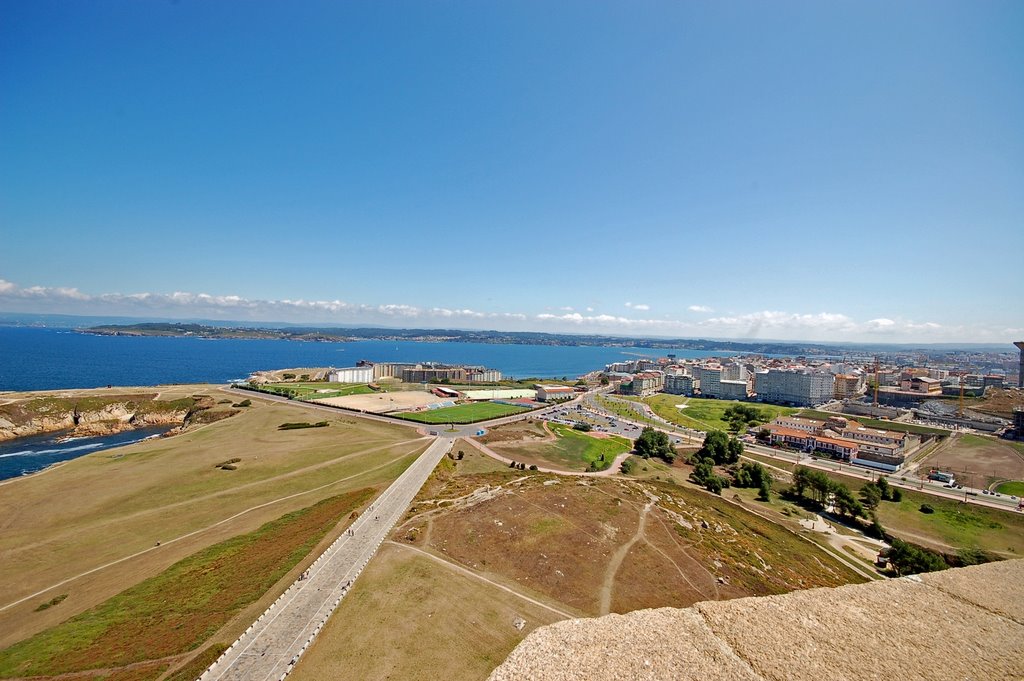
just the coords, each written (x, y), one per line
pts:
(464, 413)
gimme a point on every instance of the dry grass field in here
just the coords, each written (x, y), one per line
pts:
(379, 403)
(980, 460)
(89, 528)
(479, 551)
(411, 617)
(160, 620)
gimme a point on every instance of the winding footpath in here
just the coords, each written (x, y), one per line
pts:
(273, 644)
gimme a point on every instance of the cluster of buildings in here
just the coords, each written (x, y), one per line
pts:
(773, 381)
(429, 372)
(799, 382)
(845, 439)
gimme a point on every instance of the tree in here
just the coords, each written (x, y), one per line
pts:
(871, 495)
(907, 559)
(752, 475)
(801, 481)
(734, 450)
(884, 489)
(722, 448)
(742, 416)
(714, 484)
(604, 380)
(703, 471)
(654, 443)
(764, 435)
(875, 529)
(582, 426)
(627, 467)
(897, 494)
(764, 493)
(845, 503)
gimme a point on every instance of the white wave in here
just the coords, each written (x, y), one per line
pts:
(37, 452)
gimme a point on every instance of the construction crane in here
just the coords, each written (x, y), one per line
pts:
(876, 380)
(963, 379)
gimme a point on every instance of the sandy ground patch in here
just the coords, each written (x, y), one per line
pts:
(979, 461)
(379, 403)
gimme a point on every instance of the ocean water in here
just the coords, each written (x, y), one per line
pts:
(30, 454)
(50, 359)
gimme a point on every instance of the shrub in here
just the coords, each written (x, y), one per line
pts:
(300, 425)
(533, 467)
(925, 508)
(56, 600)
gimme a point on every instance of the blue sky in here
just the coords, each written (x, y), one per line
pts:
(824, 171)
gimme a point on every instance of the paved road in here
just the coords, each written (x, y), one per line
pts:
(275, 641)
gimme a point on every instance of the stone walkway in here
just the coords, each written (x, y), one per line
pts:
(270, 647)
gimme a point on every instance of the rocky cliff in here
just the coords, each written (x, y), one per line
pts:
(92, 415)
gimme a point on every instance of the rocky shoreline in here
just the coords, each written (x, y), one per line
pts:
(92, 417)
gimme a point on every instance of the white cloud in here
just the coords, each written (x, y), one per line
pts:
(699, 308)
(772, 324)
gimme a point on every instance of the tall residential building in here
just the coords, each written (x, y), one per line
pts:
(680, 384)
(647, 383)
(1020, 371)
(794, 386)
(710, 378)
(848, 386)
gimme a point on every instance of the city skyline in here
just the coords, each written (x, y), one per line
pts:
(842, 172)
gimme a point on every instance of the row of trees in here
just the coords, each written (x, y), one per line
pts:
(820, 488)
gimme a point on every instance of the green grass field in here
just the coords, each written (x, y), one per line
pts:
(705, 414)
(463, 413)
(1015, 488)
(618, 406)
(311, 390)
(572, 450)
(182, 607)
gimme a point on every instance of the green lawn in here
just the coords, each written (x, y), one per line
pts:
(706, 414)
(464, 413)
(1015, 488)
(616, 405)
(310, 390)
(572, 450)
(963, 526)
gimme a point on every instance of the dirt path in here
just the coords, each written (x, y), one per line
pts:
(469, 573)
(616, 561)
